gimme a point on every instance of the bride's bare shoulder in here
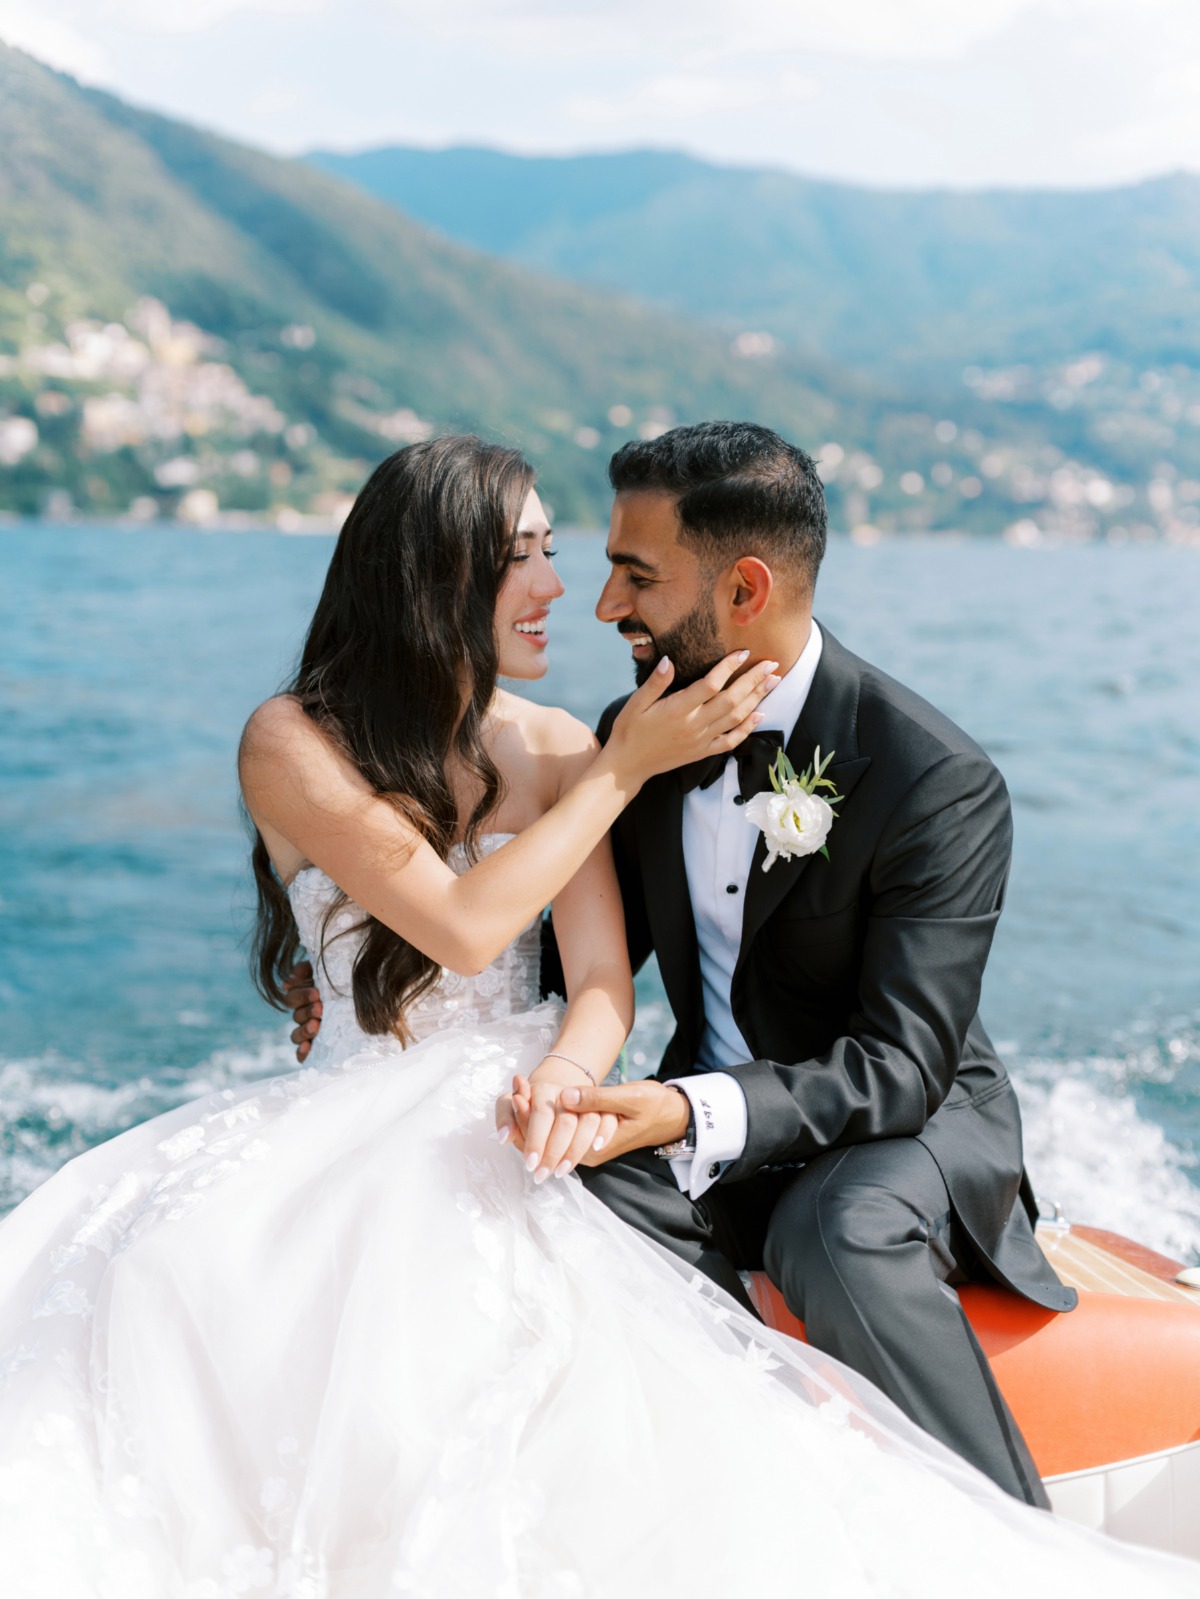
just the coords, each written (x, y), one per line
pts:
(278, 729)
(560, 743)
(276, 720)
(548, 729)
(280, 740)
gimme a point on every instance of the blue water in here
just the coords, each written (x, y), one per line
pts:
(130, 658)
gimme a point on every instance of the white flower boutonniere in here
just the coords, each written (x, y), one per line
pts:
(795, 819)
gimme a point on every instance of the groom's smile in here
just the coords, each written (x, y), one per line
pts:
(639, 638)
(658, 593)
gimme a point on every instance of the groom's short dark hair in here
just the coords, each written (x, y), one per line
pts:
(742, 490)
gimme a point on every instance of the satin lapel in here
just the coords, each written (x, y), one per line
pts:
(658, 817)
(829, 721)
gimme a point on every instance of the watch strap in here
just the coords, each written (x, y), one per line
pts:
(687, 1144)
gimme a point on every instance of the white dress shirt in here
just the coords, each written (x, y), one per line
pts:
(718, 851)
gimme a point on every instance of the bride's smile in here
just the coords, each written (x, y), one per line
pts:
(530, 587)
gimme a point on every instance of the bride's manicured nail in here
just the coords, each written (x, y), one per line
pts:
(664, 666)
(501, 1135)
(531, 1162)
(562, 1168)
(599, 1144)
(541, 1174)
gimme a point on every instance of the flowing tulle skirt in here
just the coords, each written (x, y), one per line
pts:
(323, 1337)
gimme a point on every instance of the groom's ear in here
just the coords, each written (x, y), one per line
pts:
(750, 582)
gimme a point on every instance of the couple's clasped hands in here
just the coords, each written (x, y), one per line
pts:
(557, 1127)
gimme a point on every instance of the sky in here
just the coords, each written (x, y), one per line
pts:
(896, 93)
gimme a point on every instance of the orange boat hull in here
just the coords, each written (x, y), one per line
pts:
(1116, 1379)
(1108, 1396)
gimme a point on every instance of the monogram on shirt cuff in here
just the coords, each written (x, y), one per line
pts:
(720, 1107)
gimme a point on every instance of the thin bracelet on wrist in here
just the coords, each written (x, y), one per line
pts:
(557, 1054)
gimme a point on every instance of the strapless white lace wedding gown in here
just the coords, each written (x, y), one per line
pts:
(322, 1337)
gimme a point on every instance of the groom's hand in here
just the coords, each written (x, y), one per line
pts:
(647, 1114)
(304, 1002)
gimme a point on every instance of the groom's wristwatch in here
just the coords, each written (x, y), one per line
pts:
(687, 1144)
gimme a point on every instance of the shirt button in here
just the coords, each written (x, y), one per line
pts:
(731, 888)
(739, 799)
(714, 1171)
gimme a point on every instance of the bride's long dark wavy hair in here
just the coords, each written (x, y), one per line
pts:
(404, 627)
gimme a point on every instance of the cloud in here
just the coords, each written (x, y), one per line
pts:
(720, 29)
(681, 97)
(192, 16)
(53, 41)
(905, 92)
(275, 100)
(1166, 134)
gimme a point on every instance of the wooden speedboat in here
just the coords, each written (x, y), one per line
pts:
(1108, 1396)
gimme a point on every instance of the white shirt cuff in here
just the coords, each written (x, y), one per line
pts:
(720, 1106)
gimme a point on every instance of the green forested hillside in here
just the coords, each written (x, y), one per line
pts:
(357, 326)
(897, 283)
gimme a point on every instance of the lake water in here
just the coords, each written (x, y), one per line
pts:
(130, 658)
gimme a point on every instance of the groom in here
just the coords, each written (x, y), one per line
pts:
(830, 1107)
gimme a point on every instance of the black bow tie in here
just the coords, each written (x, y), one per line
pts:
(753, 756)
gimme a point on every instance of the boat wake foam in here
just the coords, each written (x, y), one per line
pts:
(1089, 1147)
(52, 1110)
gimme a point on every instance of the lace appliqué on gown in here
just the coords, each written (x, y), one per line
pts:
(507, 987)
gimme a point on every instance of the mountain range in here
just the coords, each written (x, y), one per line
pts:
(906, 285)
(1051, 339)
(192, 328)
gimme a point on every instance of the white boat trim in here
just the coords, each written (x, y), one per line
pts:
(1133, 1460)
(1153, 1500)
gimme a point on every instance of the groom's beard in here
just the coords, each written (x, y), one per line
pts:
(693, 644)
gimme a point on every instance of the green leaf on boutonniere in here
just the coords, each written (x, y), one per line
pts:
(810, 779)
(781, 772)
(813, 777)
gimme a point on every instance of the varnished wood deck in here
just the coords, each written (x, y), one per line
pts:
(1098, 1262)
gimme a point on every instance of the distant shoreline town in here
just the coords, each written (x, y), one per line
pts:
(168, 430)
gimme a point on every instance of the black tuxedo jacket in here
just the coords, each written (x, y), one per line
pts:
(857, 983)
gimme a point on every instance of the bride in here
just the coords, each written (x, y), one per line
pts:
(324, 1336)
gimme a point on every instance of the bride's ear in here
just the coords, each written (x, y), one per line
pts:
(750, 585)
